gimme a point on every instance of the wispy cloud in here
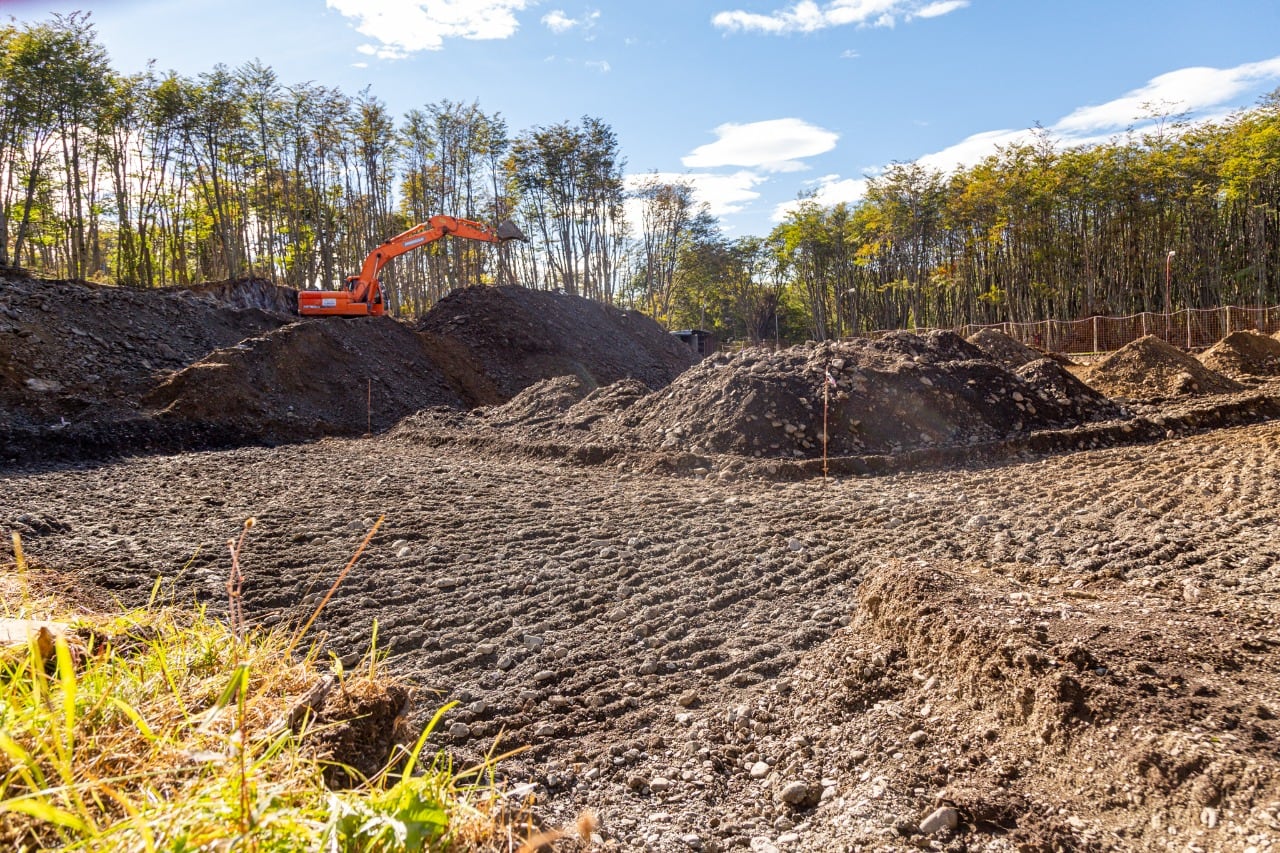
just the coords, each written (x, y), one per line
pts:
(723, 194)
(601, 65)
(777, 145)
(1201, 94)
(402, 27)
(827, 191)
(1187, 89)
(559, 23)
(937, 10)
(807, 16)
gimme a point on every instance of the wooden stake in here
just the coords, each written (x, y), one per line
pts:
(369, 408)
(826, 399)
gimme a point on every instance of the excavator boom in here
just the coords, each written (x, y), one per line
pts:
(363, 293)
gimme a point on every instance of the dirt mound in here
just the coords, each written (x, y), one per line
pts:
(1004, 349)
(307, 380)
(1029, 714)
(1149, 367)
(71, 351)
(1053, 383)
(896, 393)
(519, 337)
(1244, 354)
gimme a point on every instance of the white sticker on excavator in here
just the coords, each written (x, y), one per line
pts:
(328, 303)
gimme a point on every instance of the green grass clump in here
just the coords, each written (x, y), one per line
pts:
(165, 729)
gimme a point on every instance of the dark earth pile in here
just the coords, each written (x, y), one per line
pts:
(888, 395)
(71, 352)
(1003, 349)
(519, 337)
(1244, 354)
(307, 380)
(88, 369)
(1149, 367)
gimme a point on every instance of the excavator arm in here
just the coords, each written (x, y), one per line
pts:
(363, 294)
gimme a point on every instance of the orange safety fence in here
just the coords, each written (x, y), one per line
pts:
(1192, 329)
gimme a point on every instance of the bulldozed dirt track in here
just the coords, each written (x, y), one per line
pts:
(1010, 650)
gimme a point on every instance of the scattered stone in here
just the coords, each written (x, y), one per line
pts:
(799, 794)
(940, 820)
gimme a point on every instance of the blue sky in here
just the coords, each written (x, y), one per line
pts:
(753, 101)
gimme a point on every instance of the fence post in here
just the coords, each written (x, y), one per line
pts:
(1095, 333)
(1143, 315)
(1188, 313)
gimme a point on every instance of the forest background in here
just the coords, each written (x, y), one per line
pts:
(157, 179)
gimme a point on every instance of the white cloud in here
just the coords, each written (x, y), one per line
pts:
(773, 146)
(723, 194)
(807, 16)
(1187, 89)
(601, 65)
(1201, 93)
(937, 10)
(402, 27)
(831, 190)
(849, 54)
(559, 23)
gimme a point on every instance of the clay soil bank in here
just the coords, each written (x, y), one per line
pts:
(1071, 652)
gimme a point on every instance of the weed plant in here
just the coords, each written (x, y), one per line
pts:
(166, 729)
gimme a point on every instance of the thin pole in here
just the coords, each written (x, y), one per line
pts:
(826, 399)
(369, 407)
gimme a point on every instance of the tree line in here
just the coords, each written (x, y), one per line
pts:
(156, 179)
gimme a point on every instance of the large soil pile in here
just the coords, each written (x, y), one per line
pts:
(309, 379)
(519, 337)
(896, 393)
(1244, 354)
(1149, 367)
(71, 351)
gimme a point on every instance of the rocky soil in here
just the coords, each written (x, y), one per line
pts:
(1020, 616)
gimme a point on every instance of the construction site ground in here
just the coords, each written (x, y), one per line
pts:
(998, 642)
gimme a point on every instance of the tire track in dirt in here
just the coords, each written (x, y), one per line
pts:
(580, 609)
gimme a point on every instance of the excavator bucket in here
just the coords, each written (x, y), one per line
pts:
(508, 230)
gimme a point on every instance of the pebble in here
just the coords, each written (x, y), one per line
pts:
(795, 793)
(917, 738)
(459, 731)
(795, 545)
(692, 841)
(760, 844)
(759, 770)
(940, 819)
(658, 784)
(532, 643)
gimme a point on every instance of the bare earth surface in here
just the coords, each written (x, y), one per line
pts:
(1018, 643)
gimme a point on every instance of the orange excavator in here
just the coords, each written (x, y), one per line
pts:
(363, 294)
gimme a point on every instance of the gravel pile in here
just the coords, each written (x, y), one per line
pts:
(1149, 367)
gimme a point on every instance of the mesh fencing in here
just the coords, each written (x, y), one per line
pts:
(1192, 329)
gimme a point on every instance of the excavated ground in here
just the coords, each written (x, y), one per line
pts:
(1048, 623)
